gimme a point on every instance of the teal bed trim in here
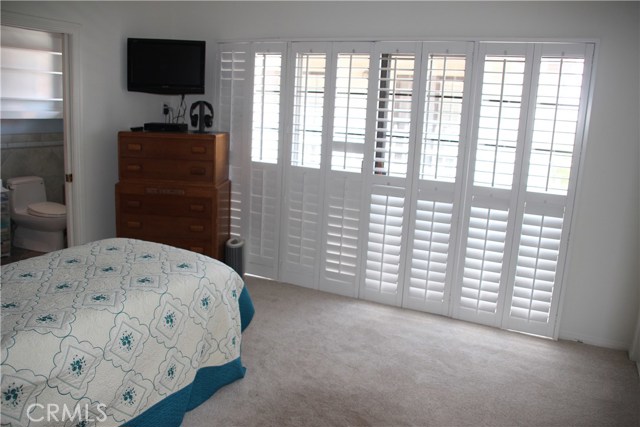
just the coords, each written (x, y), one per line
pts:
(170, 411)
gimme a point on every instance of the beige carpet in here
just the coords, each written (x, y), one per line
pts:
(317, 359)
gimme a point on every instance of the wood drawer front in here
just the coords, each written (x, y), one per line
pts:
(167, 147)
(212, 149)
(159, 169)
(163, 226)
(173, 206)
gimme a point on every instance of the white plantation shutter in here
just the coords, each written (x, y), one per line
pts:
(301, 245)
(350, 111)
(393, 112)
(231, 111)
(557, 110)
(557, 114)
(265, 138)
(483, 262)
(428, 279)
(439, 176)
(262, 255)
(264, 220)
(490, 202)
(443, 125)
(535, 276)
(339, 271)
(395, 90)
(302, 211)
(344, 183)
(499, 122)
(308, 105)
(383, 273)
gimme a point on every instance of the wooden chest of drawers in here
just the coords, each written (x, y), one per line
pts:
(174, 189)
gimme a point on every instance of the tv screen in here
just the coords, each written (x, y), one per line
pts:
(165, 66)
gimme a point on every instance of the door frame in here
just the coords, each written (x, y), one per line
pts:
(71, 113)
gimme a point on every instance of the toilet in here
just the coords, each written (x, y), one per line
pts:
(39, 224)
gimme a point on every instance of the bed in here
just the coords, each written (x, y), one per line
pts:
(118, 332)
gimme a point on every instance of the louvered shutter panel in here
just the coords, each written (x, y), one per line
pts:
(418, 190)
(342, 229)
(535, 275)
(428, 278)
(344, 184)
(231, 113)
(265, 167)
(439, 176)
(394, 110)
(383, 276)
(490, 200)
(350, 109)
(558, 113)
(303, 189)
(266, 107)
(483, 262)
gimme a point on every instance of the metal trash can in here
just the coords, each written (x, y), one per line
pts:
(234, 255)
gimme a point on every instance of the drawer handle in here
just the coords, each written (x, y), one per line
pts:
(133, 203)
(198, 149)
(134, 224)
(196, 228)
(197, 171)
(134, 147)
(196, 208)
(134, 168)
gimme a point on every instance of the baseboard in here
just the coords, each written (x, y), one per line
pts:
(596, 341)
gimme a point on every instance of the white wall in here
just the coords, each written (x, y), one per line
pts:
(601, 295)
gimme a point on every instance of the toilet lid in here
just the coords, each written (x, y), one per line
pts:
(47, 209)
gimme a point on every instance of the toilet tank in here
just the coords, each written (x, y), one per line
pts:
(25, 191)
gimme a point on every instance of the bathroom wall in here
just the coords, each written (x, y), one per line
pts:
(34, 147)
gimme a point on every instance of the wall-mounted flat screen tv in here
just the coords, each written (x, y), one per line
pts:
(165, 66)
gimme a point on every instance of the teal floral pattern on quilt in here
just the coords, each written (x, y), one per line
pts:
(112, 327)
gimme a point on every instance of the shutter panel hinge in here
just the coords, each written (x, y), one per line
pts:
(68, 177)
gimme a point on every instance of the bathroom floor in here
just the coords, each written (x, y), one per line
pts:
(18, 254)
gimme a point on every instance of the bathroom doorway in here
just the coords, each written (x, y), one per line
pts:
(35, 128)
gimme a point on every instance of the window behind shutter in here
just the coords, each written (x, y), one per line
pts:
(266, 107)
(499, 122)
(555, 124)
(350, 112)
(393, 121)
(308, 105)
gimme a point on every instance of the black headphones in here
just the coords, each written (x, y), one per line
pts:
(204, 119)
